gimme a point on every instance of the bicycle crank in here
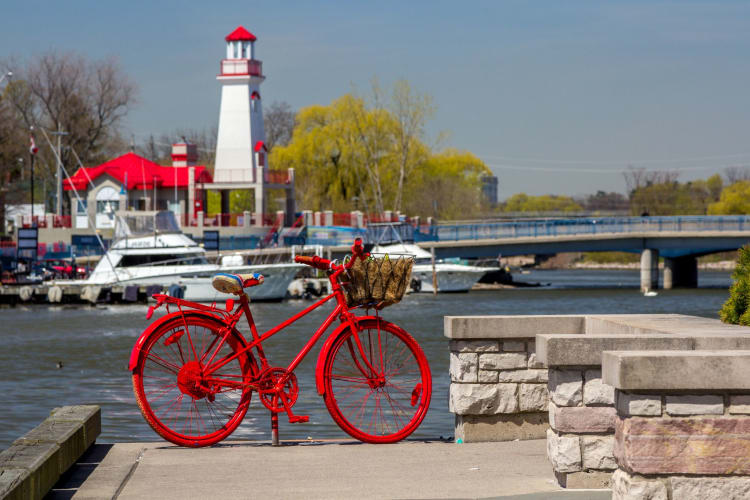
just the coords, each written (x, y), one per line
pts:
(278, 389)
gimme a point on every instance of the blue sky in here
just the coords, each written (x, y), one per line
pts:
(557, 97)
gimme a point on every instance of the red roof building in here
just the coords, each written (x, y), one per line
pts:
(135, 172)
(131, 182)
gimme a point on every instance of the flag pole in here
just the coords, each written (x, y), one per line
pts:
(32, 156)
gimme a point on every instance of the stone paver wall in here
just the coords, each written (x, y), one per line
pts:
(498, 390)
(580, 440)
(686, 435)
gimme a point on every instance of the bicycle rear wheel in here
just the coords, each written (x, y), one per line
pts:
(381, 407)
(176, 399)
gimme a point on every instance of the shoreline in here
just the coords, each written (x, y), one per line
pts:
(722, 265)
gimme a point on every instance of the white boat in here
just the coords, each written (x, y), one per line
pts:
(150, 249)
(450, 277)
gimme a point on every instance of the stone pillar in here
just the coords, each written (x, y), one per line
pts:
(681, 272)
(260, 203)
(387, 214)
(360, 219)
(353, 220)
(649, 269)
(307, 215)
(328, 220)
(279, 220)
(200, 219)
(246, 218)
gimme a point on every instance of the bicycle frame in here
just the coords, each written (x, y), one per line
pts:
(341, 311)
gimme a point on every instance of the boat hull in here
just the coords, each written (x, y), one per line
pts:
(450, 277)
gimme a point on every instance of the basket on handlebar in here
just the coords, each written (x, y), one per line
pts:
(377, 281)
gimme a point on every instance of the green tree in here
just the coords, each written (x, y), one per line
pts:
(353, 154)
(734, 200)
(521, 202)
(735, 309)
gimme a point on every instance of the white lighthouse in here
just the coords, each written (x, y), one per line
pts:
(240, 148)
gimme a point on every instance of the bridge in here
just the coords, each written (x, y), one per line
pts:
(678, 239)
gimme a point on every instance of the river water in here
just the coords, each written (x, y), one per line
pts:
(93, 344)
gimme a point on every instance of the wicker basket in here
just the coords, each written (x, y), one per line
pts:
(377, 281)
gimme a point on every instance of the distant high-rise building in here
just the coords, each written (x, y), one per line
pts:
(489, 189)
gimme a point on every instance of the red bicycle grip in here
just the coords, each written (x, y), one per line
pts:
(313, 261)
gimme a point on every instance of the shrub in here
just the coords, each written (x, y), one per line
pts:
(735, 309)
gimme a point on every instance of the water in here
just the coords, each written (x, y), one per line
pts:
(94, 345)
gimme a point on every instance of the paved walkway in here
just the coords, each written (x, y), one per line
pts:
(332, 469)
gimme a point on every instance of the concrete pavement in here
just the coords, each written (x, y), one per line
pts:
(317, 469)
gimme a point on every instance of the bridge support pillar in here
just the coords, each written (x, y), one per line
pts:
(649, 269)
(681, 272)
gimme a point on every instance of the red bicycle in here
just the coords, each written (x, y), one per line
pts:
(194, 372)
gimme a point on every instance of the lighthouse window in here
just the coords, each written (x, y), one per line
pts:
(236, 47)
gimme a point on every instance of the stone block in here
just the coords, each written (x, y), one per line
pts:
(627, 487)
(510, 326)
(636, 371)
(501, 427)
(538, 376)
(15, 484)
(586, 350)
(713, 446)
(695, 405)
(483, 399)
(582, 419)
(629, 405)
(564, 452)
(585, 479)
(487, 377)
(502, 361)
(69, 436)
(474, 346)
(595, 391)
(464, 366)
(566, 387)
(533, 397)
(90, 416)
(598, 452)
(739, 404)
(703, 488)
(534, 361)
(514, 346)
(41, 460)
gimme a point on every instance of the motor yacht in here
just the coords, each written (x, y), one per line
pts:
(150, 249)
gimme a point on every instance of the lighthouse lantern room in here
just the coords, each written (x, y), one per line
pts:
(241, 161)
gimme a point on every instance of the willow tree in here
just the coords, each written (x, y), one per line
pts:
(371, 155)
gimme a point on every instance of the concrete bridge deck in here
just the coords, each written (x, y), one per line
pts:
(317, 469)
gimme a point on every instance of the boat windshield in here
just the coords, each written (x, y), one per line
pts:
(133, 224)
(191, 259)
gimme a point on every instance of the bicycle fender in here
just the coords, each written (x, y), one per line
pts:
(320, 364)
(153, 326)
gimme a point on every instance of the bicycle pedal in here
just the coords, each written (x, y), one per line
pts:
(298, 419)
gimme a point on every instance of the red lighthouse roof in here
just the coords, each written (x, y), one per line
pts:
(240, 34)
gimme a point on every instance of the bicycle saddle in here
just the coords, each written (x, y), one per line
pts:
(235, 283)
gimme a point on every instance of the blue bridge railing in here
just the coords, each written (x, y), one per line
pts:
(584, 226)
(560, 227)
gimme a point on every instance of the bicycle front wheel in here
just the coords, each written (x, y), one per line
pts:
(378, 384)
(178, 400)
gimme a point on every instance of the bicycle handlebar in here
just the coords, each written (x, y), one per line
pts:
(326, 265)
(315, 261)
